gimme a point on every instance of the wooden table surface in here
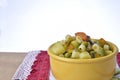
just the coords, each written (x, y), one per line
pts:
(9, 62)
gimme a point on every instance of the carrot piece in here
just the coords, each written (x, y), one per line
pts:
(71, 47)
(82, 35)
(102, 41)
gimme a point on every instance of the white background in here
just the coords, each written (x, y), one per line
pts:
(27, 25)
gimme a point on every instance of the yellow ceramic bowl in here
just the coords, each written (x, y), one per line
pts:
(101, 68)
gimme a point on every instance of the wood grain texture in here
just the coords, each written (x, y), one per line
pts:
(9, 62)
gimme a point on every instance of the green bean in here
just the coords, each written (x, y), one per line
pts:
(92, 54)
(101, 51)
(68, 55)
(89, 47)
(115, 78)
(75, 43)
(117, 71)
(68, 39)
(85, 43)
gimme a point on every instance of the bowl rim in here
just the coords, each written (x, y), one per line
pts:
(84, 61)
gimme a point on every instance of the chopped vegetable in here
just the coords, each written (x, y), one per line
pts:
(102, 42)
(85, 55)
(75, 43)
(92, 54)
(58, 48)
(116, 74)
(82, 35)
(101, 51)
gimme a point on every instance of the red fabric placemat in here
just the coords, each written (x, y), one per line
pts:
(118, 59)
(41, 67)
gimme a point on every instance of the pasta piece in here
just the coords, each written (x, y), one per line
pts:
(75, 54)
(98, 49)
(82, 47)
(68, 39)
(78, 39)
(106, 47)
(95, 47)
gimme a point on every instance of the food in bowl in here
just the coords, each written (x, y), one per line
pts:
(81, 46)
(80, 57)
